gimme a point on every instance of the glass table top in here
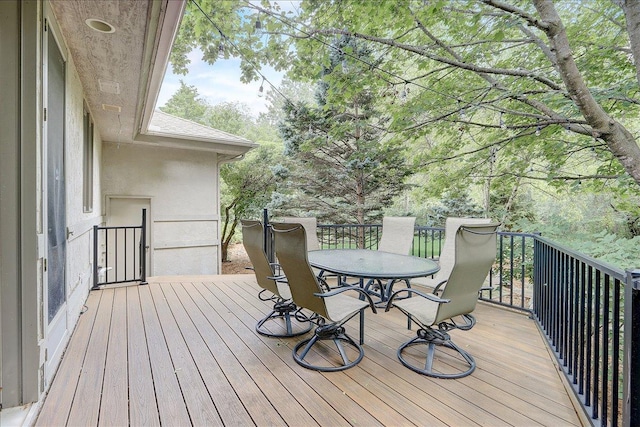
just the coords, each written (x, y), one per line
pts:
(372, 264)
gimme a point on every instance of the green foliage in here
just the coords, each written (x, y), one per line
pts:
(470, 90)
(186, 103)
(602, 244)
(232, 117)
(340, 167)
(249, 183)
(454, 204)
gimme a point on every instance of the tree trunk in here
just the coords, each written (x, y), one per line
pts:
(224, 246)
(226, 240)
(619, 140)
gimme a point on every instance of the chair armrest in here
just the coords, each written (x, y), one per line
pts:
(430, 297)
(438, 286)
(281, 278)
(336, 291)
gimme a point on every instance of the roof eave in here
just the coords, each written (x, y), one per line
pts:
(232, 148)
(156, 60)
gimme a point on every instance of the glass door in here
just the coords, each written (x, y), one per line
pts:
(55, 294)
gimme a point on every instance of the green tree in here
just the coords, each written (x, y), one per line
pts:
(288, 91)
(488, 78)
(232, 117)
(454, 204)
(341, 167)
(187, 103)
(248, 185)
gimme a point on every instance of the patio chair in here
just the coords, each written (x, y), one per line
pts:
(310, 225)
(447, 252)
(397, 238)
(397, 234)
(281, 321)
(475, 252)
(331, 308)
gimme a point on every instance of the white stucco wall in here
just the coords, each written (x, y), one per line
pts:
(182, 186)
(79, 223)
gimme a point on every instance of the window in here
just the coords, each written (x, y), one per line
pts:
(87, 192)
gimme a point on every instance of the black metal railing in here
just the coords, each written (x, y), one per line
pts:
(579, 303)
(119, 254)
(510, 278)
(631, 360)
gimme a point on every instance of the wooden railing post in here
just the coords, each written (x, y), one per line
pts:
(631, 397)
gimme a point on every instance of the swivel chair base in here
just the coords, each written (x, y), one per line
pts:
(433, 339)
(342, 342)
(283, 314)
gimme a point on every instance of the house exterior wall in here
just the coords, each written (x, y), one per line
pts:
(183, 188)
(18, 286)
(79, 223)
(23, 244)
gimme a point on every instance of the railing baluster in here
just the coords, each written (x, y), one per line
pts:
(572, 299)
(604, 401)
(596, 347)
(118, 267)
(615, 389)
(583, 320)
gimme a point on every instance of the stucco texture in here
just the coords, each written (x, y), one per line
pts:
(182, 186)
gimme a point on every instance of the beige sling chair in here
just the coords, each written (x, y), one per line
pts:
(310, 225)
(397, 238)
(447, 252)
(475, 252)
(282, 320)
(331, 308)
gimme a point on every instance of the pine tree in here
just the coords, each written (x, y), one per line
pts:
(341, 167)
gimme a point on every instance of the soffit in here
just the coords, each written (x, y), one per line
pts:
(111, 66)
(121, 72)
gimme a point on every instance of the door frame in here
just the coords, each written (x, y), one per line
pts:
(55, 332)
(149, 236)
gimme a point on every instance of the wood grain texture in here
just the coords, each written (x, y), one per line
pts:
(56, 407)
(115, 388)
(143, 409)
(187, 351)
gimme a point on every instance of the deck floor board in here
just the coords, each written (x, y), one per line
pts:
(184, 351)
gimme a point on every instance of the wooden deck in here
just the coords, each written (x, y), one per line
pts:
(185, 352)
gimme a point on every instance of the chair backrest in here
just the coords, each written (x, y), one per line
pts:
(447, 252)
(291, 250)
(397, 234)
(475, 252)
(310, 225)
(252, 239)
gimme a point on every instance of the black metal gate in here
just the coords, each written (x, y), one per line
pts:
(119, 254)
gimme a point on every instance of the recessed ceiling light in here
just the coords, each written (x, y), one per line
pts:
(100, 26)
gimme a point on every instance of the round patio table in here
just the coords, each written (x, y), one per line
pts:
(369, 264)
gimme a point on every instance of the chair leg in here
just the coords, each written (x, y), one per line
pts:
(341, 340)
(282, 312)
(362, 326)
(433, 340)
(389, 288)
